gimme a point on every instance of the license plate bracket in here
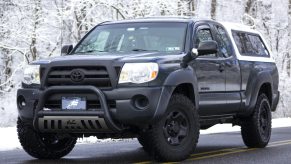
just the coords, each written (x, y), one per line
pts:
(74, 103)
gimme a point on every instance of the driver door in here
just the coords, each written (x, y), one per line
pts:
(210, 75)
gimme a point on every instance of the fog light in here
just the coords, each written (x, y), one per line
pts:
(21, 102)
(141, 102)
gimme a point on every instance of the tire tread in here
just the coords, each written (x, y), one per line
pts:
(250, 126)
(29, 140)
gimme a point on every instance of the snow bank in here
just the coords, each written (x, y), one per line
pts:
(8, 110)
(221, 128)
(9, 139)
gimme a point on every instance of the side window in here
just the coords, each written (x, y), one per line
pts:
(224, 43)
(203, 34)
(258, 46)
(248, 49)
(237, 40)
(243, 43)
(250, 44)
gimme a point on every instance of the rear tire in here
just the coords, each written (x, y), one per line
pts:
(256, 129)
(43, 146)
(174, 137)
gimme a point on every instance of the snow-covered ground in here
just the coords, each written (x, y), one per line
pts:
(9, 140)
(220, 128)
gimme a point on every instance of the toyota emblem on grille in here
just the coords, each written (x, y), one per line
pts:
(77, 75)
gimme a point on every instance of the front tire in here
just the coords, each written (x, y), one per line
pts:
(256, 129)
(143, 139)
(43, 146)
(174, 137)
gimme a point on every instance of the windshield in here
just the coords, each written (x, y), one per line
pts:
(129, 37)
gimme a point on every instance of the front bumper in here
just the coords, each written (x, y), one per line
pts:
(125, 112)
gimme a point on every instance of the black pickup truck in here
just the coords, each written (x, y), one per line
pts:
(160, 80)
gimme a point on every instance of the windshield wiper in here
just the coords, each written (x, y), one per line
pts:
(139, 49)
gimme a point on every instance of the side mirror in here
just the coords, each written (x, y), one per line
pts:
(66, 49)
(204, 48)
(207, 47)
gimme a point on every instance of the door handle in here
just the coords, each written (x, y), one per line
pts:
(221, 67)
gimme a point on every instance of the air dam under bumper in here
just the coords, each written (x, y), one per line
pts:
(134, 106)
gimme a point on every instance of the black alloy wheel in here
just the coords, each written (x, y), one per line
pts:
(176, 127)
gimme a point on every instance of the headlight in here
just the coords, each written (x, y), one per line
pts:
(31, 75)
(138, 72)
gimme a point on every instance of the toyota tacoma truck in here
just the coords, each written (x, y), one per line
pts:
(159, 80)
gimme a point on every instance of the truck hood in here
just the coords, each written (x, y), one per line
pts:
(159, 57)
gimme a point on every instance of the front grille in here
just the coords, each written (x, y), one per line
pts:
(97, 76)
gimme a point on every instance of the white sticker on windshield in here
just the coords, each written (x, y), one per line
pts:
(172, 48)
(143, 28)
(130, 29)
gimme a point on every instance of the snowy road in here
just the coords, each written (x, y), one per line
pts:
(212, 148)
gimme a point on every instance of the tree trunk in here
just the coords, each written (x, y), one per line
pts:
(192, 8)
(250, 8)
(5, 57)
(289, 34)
(36, 16)
(213, 9)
